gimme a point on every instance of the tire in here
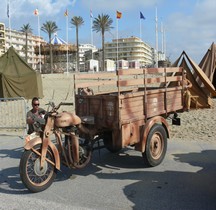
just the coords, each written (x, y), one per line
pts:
(108, 143)
(85, 153)
(33, 178)
(156, 146)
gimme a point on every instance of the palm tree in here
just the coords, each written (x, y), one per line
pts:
(26, 29)
(50, 27)
(102, 24)
(77, 21)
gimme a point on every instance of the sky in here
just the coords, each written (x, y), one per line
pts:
(189, 24)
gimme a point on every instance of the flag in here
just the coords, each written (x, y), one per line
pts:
(91, 15)
(118, 15)
(36, 12)
(142, 16)
(66, 13)
(8, 12)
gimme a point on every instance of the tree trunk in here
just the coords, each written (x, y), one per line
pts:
(51, 57)
(26, 48)
(77, 43)
(103, 59)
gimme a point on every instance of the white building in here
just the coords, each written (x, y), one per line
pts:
(134, 64)
(130, 49)
(17, 39)
(92, 65)
(109, 65)
(82, 49)
(2, 39)
(123, 64)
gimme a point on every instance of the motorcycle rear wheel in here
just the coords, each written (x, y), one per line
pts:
(33, 177)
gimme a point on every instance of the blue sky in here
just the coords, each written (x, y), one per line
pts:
(189, 24)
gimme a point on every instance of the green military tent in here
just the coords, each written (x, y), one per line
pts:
(17, 78)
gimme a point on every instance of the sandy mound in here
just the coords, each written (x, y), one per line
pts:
(196, 125)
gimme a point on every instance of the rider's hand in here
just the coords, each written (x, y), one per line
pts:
(30, 120)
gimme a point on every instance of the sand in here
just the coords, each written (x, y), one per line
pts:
(196, 125)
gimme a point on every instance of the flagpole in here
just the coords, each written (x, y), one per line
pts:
(162, 38)
(67, 40)
(164, 42)
(156, 40)
(39, 42)
(91, 16)
(117, 45)
(9, 21)
(140, 30)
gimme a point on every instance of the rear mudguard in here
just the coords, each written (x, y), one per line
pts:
(147, 127)
(38, 140)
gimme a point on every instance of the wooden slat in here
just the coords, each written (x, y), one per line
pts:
(129, 116)
(122, 72)
(95, 83)
(149, 71)
(162, 70)
(150, 92)
(140, 119)
(95, 76)
(155, 70)
(132, 103)
(132, 82)
(174, 69)
(130, 112)
(154, 80)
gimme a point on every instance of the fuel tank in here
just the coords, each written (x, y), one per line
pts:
(65, 119)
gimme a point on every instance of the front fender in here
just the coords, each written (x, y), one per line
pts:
(38, 140)
(147, 127)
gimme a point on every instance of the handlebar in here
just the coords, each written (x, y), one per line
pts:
(55, 108)
(67, 103)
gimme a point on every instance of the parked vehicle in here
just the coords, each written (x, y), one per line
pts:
(42, 157)
(133, 113)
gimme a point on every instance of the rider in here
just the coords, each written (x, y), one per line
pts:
(35, 113)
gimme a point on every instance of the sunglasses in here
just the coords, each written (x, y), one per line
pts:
(36, 104)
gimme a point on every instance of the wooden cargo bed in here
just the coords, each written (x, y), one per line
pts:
(129, 96)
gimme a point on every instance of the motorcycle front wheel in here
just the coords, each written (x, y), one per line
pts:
(35, 178)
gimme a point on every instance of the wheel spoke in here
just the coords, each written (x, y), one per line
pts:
(35, 174)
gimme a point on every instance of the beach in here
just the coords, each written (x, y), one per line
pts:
(196, 125)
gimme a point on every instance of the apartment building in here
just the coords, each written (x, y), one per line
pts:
(17, 39)
(130, 49)
(82, 49)
(2, 39)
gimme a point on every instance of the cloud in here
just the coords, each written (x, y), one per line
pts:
(190, 25)
(113, 5)
(192, 30)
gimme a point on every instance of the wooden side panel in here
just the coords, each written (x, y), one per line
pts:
(161, 103)
(133, 108)
(103, 109)
(128, 103)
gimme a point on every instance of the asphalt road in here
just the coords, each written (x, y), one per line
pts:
(186, 179)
